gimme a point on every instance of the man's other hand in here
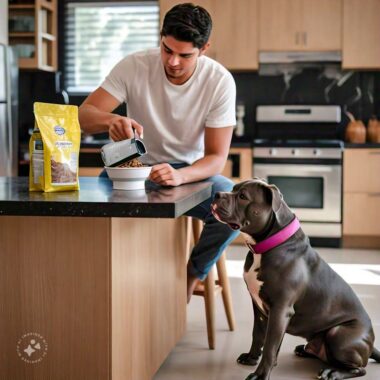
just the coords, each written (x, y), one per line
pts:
(166, 175)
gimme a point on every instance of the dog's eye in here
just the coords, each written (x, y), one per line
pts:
(242, 196)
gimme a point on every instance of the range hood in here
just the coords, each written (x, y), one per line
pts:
(299, 56)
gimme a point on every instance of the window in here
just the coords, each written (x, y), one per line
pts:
(100, 34)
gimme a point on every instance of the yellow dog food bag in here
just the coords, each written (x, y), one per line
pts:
(54, 148)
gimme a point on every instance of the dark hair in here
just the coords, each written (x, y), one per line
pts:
(188, 22)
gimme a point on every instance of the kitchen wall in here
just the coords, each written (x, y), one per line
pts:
(304, 85)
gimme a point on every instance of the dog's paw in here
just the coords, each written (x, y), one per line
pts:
(300, 351)
(335, 374)
(246, 359)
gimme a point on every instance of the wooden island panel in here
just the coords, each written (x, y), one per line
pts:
(107, 294)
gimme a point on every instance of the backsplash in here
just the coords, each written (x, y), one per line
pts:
(359, 92)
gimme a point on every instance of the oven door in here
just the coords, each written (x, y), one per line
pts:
(313, 192)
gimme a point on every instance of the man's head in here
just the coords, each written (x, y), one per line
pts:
(188, 23)
(184, 37)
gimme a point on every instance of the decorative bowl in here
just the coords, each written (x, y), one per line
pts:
(132, 178)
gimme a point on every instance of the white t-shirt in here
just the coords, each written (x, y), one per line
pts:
(173, 116)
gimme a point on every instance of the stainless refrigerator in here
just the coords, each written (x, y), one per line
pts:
(8, 112)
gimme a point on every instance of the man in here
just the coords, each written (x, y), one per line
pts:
(186, 103)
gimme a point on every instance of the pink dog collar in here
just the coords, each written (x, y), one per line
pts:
(276, 239)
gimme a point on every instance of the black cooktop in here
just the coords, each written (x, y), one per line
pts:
(298, 143)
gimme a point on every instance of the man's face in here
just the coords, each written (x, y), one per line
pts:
(179, 58)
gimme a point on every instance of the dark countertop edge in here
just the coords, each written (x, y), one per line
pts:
(364, 145)
(244, 143)
(87, 210)
(104, 209)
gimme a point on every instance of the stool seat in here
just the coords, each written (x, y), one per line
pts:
(211, 287)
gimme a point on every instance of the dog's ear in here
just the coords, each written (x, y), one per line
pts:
(260, 179)
(276, 198)
(279, 207)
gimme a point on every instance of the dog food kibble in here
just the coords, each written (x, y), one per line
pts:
(135, 163)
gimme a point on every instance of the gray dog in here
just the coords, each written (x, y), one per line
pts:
(293, 290)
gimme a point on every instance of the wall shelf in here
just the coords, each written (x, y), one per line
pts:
(33, 33)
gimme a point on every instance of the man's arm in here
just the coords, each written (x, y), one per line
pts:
(95, 117)
(217, 144)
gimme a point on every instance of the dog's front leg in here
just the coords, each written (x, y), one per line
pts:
(258, 336)
(279, 317)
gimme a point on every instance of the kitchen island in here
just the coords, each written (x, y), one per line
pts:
(93, 283)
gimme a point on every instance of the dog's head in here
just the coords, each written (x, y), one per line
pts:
(251, 207)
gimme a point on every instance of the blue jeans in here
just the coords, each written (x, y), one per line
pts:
(215, 236)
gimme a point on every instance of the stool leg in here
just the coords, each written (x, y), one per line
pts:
(226, 290)
(209, 284)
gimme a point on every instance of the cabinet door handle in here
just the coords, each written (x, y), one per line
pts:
(376, 153)
(297, 38)
(375, 195)
(304, 35)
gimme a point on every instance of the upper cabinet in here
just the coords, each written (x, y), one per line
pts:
(234, 37)
(33, 32)
(300, 25)
(236, 34)
(361, 32)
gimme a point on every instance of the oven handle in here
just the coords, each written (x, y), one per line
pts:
(297, 168)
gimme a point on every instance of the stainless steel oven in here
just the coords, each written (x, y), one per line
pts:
(310, 180)
(297, 148)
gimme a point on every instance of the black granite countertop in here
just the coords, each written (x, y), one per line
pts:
(96, 198)
(362, 146)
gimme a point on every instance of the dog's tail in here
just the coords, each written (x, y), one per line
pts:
(375, 355)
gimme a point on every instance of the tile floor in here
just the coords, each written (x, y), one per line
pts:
(191, 359)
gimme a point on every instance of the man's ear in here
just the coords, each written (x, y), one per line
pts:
(204, 48)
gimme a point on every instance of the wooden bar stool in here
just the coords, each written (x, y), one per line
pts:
(212, 286)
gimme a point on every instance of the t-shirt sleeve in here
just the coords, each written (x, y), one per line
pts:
(116, 82)
(222, 111)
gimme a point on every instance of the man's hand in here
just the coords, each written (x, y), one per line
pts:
(120, 128)
(95, 117)
(166, 175)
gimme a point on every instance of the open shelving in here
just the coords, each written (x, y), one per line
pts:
(33, 31)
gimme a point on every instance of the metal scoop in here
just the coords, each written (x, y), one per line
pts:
(117, 153)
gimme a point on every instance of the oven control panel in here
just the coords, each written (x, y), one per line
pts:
(289, 152)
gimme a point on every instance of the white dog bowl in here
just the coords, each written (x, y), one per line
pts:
(128, 178)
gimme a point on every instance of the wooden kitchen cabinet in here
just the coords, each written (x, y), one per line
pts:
(361, 197)
(236, 34)
(361, 32)
(239, 164)
(33, 33)
(234, 38)
(300, 25)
